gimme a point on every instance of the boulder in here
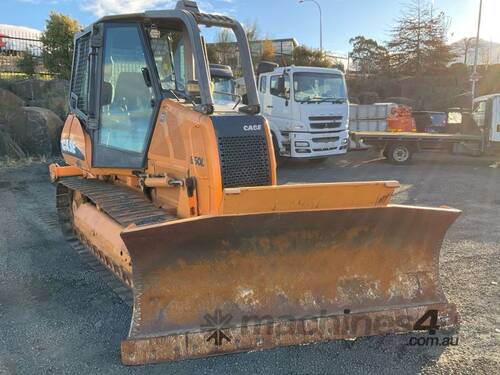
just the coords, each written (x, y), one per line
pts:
(9, 102)
(51, 94)
(36, 130)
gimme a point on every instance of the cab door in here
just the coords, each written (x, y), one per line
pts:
(495, 119)
(279, 109)
(128, 98)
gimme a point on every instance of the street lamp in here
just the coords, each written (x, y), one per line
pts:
(320, 22)
(475, 75)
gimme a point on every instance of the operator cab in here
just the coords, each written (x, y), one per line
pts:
(124, 67)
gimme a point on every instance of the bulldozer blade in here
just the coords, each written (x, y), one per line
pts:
(220, 284)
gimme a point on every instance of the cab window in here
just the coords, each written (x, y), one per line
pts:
(480, 107)
(127, 103)
(280, 86)
(169, 55)
(262, 85)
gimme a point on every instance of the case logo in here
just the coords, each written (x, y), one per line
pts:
(249, 128)
(68, 146)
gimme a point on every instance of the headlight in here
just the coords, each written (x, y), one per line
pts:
(301, 144)
(297, 127)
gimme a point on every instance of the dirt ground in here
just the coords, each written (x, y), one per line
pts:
(57, 316)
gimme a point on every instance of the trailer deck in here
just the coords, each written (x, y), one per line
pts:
(399, 147)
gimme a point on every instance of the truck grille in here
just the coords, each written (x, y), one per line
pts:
(325, 140)
(244, 161)
(325, 122)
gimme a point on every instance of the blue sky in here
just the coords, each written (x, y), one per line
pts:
(342, 19)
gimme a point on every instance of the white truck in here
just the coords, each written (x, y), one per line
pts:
(307, 109)
(486, 114)
(479, 134)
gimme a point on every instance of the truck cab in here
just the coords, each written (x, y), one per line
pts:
(307, 109)
(222, 79)
(486, 114)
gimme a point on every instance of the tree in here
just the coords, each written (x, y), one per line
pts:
(418, 41)
(27, 64)
(226, 47)
(57, 41)
(368, 56)
(252, 32)
(464, 47)
(304, 56)
(212, 56)
(267, 51)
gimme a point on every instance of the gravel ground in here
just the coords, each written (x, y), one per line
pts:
(57, 316)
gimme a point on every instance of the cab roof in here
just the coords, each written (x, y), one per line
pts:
(305, 69)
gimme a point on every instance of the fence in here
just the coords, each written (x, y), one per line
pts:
(12, 49)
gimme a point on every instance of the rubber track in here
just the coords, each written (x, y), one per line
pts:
(123, 205)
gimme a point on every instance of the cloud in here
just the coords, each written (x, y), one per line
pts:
(106, 7)
(53, 2)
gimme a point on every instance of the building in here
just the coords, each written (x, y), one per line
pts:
(17, 39)
(465, 49)
(227, 53)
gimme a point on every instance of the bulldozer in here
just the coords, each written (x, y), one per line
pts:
(174, 197)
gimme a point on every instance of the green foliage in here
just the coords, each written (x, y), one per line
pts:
(212, 54)
(27, 64)
(304, 56)
(57, 40)
(368, 56)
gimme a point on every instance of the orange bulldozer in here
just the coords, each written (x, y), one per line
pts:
(175, 196)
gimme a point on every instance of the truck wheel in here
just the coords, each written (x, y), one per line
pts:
(399, 153)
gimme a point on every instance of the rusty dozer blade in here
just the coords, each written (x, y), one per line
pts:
(213, 285)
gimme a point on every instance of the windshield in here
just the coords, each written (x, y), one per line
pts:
(317, 87)
(223, 88)
(168, 53)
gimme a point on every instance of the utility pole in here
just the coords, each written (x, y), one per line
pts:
(320, 22)
(475, 76)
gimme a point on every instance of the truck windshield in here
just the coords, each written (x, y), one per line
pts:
(223, 88)
(319, 87)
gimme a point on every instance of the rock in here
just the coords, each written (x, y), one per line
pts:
(36, 130)
(51, 94)
(8, 103)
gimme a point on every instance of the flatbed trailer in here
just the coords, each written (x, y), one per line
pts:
(399, 147)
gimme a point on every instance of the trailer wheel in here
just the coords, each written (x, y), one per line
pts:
(399, 153)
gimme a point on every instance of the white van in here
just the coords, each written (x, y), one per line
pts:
(307, 109)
